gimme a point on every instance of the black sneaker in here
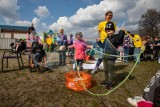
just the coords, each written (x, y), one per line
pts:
(80, 68)
(59, 64)
(64, 64)
(104, 83)
(109, 86)
(36, 67)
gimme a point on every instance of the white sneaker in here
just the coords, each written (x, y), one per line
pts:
(135, 100)
(78, 68)
(94, 70)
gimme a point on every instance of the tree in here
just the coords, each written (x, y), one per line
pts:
(149, 24)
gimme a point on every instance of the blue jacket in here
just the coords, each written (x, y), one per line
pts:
(62, 39)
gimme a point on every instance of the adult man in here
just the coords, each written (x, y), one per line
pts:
(62, 43)
(103, 34)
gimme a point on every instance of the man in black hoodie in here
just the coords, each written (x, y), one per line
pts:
(110, 46)
(38, 53)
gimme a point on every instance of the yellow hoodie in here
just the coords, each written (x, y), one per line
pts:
(137, 41)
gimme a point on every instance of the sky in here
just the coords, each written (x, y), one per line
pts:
(73, 15)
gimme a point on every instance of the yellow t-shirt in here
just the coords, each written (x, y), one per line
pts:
(101, 29)
(137, 41)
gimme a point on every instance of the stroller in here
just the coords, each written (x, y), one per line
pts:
(36, 58)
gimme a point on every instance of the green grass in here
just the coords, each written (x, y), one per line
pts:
(23, 88)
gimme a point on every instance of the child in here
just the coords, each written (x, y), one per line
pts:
(80, 48)
(50, 43)
(110, 46)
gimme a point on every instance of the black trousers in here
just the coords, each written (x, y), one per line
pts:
(109, 70)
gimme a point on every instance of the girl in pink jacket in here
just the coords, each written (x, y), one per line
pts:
(80, 50)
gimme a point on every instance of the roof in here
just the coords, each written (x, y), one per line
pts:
(14, 29)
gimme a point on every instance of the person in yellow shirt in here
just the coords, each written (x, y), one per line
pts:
(138, 45)
(103, 34)
(102, 26)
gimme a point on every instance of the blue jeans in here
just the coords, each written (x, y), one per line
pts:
(100, 55)
(126, 53)
(136, 54)
(100, 59)
(62, 57)
(36, 58)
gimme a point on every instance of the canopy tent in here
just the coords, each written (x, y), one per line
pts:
(12, 30)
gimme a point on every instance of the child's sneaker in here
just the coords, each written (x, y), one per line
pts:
(79, 68)
(94, 70)
(109, 86)
(104, 83)
(134, 101)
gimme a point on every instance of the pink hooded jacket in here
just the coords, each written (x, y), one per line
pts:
(80, 49)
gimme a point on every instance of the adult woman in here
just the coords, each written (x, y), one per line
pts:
(103, 34)
(32, 36)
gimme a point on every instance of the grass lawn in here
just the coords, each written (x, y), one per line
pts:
(21, 88)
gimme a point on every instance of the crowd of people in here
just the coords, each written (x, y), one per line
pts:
(108, 42)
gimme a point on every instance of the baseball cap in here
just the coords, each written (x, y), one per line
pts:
(110, 26)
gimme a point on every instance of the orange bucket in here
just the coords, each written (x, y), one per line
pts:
(74, 82)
